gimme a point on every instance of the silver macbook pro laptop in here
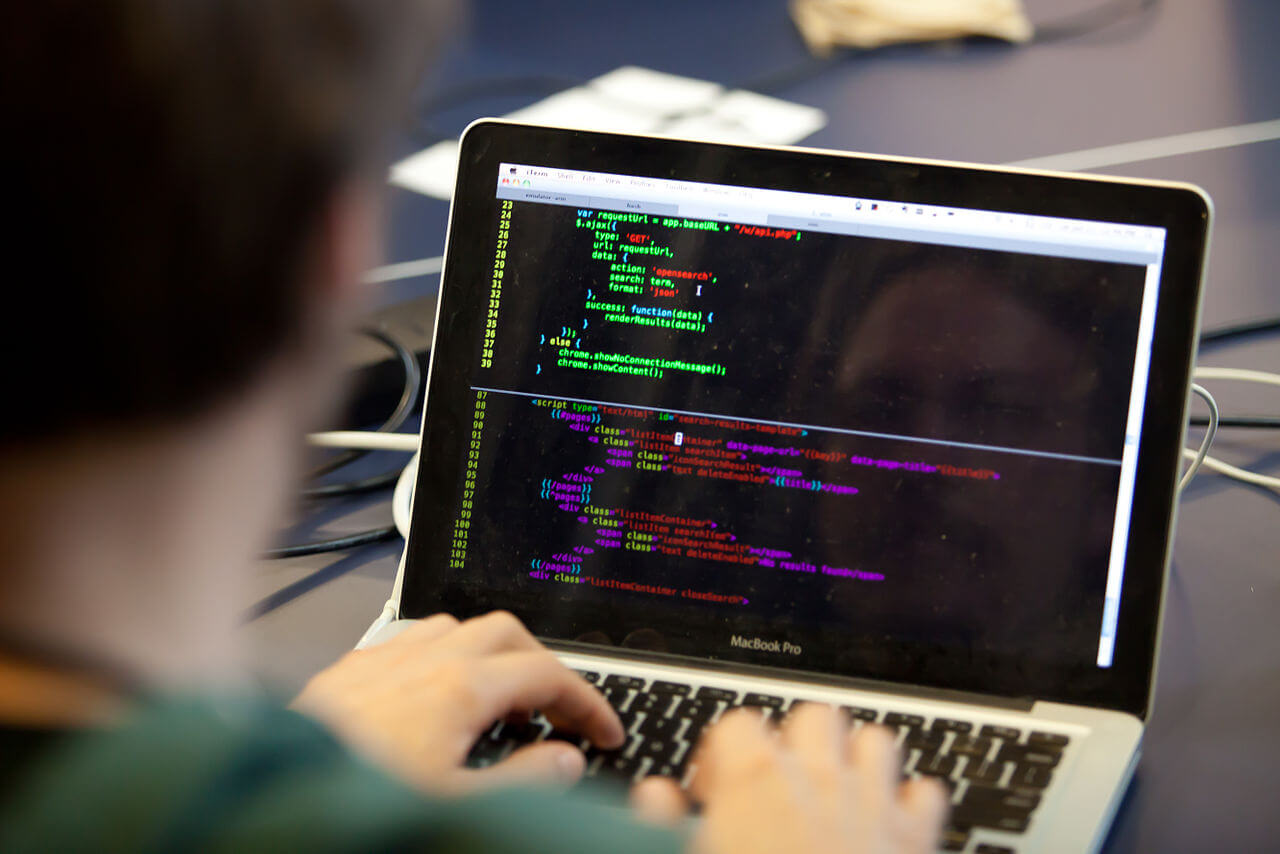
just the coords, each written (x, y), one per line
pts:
(742, 426)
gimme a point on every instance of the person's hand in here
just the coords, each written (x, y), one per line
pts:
(417, 703)
(808, 786)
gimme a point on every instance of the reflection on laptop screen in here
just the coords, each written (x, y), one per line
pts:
(755, 407)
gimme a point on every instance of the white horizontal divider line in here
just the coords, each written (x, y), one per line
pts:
(1152, 149)
(816, 427)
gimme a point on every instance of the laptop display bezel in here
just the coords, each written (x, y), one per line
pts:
(1183, 211)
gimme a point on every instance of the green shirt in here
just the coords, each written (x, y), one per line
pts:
(245, 775)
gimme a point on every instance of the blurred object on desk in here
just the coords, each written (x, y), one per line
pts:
(631, 99)
(830, 24)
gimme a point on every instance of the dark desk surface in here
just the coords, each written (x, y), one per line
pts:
(1213, 746)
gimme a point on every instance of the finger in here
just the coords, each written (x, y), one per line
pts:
(737, 747)
(873, 759)
(497, 631)
(547, 763)
(427, 630)
(925, 804)
(658, 800)
(814, 732)
(525, 681)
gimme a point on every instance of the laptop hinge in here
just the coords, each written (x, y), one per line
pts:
(825, 680)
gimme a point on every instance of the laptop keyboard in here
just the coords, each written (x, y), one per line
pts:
(996, 774)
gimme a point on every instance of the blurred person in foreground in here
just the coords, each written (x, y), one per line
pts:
(195, 186)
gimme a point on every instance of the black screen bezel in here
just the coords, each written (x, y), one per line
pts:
(1182, 210)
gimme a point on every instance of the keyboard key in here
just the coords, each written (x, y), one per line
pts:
(696, 709)
(629, 719)
(653, 704)
(693, 731)
(1025, 755)
(974, 746)
(923, 739)
(674, 770)
(592, 753)
(525, 732)
(936, 765)
(565, 736)
(901, 719)
(659, 727)
(616, 696)
(983, 772)
(1003, 799)
(954, 839)
(657, 749)
(860, 714)
(705, 693)
(763, 700)
(619, 768)
(948, 725)
(1048, 740)
(1031, 776)
(589, 675)
(769, 713)
(620, 681)
(485, 752)
(988, 848)
(967, 817)
(660, 687)
(494, 732)
(1008, 733)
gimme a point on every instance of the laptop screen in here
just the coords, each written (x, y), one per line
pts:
(786, 428)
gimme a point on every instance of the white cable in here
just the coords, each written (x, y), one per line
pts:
(365, 441)
(1240, 374)
(388, 615)
(402, 498)
(1198, 457)
(405, 270)
(1215, 464)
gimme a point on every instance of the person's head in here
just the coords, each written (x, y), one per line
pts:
(193, 190)
(188, 185)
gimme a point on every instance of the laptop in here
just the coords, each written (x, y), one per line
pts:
(749, 426)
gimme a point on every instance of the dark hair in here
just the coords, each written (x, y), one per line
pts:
(166, 163)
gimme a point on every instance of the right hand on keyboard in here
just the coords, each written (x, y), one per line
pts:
(808, 786)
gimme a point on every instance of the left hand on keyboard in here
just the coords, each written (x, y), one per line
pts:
(417, 703)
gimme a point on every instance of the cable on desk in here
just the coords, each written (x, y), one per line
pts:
(1198, 458)
(1212, 463)
(1091, 20)
(1244, 375)
(404, 270)
(1235, 472)
(377, 535)
(1254, 422)
(1235, 331)
(384, 438)
(408, 397)
(402, 498)
(406, 442)
(353, 487)
(364, 440)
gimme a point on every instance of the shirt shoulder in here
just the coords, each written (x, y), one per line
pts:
(248, 775)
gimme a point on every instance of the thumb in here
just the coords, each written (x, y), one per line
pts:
(658, 800)
(546, 763)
